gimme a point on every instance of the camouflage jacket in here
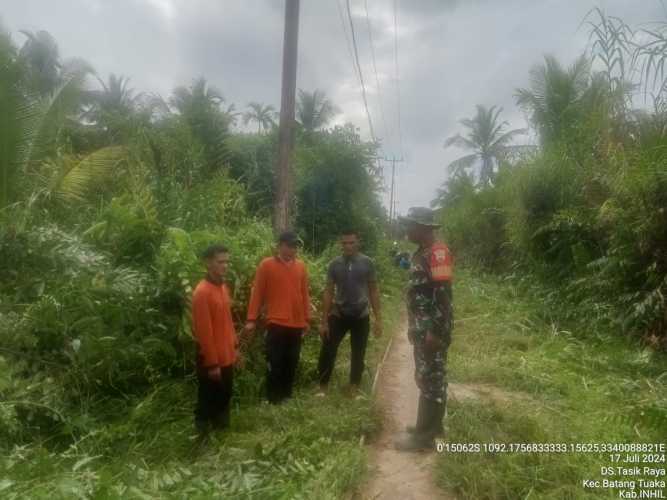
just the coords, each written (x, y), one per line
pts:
(429, 295)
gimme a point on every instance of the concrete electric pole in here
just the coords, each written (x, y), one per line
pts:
(281, 209)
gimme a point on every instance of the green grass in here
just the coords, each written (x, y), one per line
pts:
(145, 447)
(574, 386)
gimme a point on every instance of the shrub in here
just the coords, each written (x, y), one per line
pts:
(129, 230)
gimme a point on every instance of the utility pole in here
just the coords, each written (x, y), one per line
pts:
(281, 208)
(391, 196)
(395, 204)
(392, 208)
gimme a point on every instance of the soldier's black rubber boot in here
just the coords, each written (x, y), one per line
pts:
(421, 414)
(422, 438)
(438, 427)
(434, 426)
(415, 442)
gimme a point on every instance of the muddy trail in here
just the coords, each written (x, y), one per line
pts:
(401, 475)
(394, 474)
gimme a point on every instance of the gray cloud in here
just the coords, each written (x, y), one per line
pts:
(453, 54)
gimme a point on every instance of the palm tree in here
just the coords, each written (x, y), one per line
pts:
(488, 141)
(31, 125)
(314, 110)
(232, 114)
(454, 189)
(555, 95)
(114, 106)
(263, 115)
(199, 106)
(12, 74)
(41, 59)
(116, 96)
(198, 98)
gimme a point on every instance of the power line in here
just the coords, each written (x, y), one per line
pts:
(347, 38)
(361, 76)
(377, 80)
(398, 88)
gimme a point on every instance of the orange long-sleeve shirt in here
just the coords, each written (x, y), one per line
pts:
(212, 325)
(283, 287)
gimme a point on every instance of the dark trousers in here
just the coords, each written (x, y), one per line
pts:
(213, 398)
(283, 347)
(338, 327)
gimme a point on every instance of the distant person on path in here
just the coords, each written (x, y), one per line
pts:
(429, 301)
(217, 353)
(351, 287)
(281, 284)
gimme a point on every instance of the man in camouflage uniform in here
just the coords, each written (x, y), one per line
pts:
(429, 300)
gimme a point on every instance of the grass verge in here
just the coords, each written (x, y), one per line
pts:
(144, 448)
(561, 384)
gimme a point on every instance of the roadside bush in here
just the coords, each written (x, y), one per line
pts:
(635, 221)
(129, 230)
(219, 202)
(474, 225)
(596, 231)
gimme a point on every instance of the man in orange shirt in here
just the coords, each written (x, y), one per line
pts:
(281, 284)
(213, 328)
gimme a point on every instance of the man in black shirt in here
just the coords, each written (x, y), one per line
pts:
(351, 287)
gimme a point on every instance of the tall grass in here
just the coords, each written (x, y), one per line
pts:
(560, 384)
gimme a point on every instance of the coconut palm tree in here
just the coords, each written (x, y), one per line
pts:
(488, 142)
(231, 113)
(113, 106)
(200, 107)
(314, 110)
(12, 74)
(200, 97)
(555, 96)
(264, 116)
(116, 96)
(41, 59)
(31, 124)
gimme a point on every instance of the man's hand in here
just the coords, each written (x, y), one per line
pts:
(250, 327)
(305, 331)
(324, 330)
(432, 344)
(214, 374)
(377, 328)
(247, 334)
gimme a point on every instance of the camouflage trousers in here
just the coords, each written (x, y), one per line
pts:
(431, 372)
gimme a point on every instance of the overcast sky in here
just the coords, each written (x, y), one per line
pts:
(452, 55)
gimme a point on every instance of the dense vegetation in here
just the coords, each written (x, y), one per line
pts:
(107, 196)
(522, 376)
(585, 212)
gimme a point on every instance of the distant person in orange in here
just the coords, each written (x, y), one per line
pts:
(217, 353)
(281, 285)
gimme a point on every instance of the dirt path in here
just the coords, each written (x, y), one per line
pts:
(401, 475)
(398, 475)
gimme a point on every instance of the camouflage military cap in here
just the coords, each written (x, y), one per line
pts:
(420, 215)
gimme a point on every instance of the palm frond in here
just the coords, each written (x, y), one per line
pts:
(507, 137)
(314, 109)
(73, 179)
(11, 74)
(41, 118)
(459, 165)
(460, 142)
